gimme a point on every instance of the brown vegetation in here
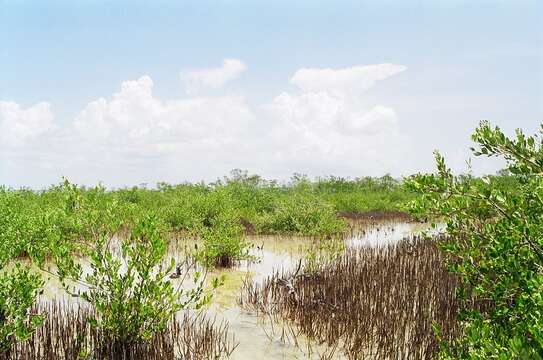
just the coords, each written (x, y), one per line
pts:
(67, 334)
(378, 303)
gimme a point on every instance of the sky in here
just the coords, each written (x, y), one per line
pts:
(132, 92)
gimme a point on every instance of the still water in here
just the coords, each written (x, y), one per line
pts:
(258, 337)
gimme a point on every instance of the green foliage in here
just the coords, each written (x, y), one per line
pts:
(35, 220)
(127, 284)
(66, 219)
(131, 291)
(18, 292)
(363, 194)
(19, 287)
(124, 234)
(82, 218)
(222, 244)
(498, 247)
(301, 213)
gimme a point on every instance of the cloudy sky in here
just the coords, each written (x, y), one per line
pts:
(131, 92)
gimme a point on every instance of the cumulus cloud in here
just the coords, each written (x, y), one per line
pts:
(134, 120)
(341, 82)
(316, 111)
(376, 120)
(133, 135)
(213, 78)
(317, 131)
(326, 122)
(18, 126)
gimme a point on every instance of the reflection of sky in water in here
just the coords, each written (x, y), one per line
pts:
(384, 234)
(255, 335)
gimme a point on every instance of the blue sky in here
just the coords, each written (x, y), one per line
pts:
(462, 61)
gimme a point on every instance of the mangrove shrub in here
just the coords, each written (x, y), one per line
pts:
(498, 247)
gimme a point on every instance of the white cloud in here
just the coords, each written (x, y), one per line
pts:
(378, 119)
(307, 112)
(213, 78)
(327, 118)
(331, 127)
(341, 82)
(322, 131)
(133, 136)
(18, 126)
(137, 122)
(317, 111)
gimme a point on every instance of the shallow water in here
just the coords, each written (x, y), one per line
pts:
(257, 337)
(385, 233)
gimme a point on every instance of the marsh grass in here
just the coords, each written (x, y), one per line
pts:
(371, 302)
(67, 334)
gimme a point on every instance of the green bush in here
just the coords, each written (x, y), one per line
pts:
(223, 244)
(131, 291)
(302, 214)
(498, 247)
(19, 289)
